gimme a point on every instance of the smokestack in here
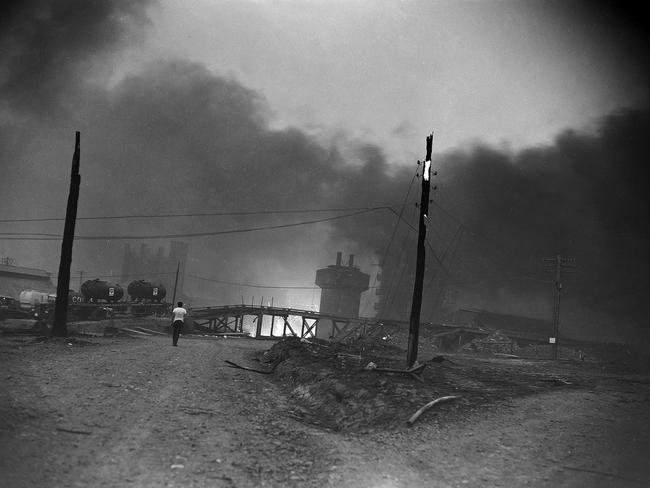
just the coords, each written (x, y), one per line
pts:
(351, 261)
(339, 257)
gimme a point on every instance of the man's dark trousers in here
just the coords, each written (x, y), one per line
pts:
(176, 329)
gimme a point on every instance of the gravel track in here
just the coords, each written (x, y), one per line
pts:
(113, 412)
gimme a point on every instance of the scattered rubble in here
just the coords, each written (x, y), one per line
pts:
(364, 386)
(495, 343)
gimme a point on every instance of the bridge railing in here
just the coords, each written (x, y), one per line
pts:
(263, 322)
(274, 322)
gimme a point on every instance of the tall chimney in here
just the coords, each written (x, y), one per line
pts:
(351, 261)
(339, 257)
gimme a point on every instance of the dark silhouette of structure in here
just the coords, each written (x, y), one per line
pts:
(342, 287)
(156, 267)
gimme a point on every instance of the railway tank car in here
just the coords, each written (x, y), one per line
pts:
(146, 291)
(32, 299)
(98, 290)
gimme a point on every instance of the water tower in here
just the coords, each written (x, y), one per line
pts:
(342, 287)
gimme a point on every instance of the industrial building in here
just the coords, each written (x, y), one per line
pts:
(14, 279)
(342, 287)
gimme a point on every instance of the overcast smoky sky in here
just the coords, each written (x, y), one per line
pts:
(188, 107)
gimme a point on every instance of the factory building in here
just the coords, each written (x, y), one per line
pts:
(14, 279)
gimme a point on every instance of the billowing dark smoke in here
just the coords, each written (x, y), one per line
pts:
(170, 138)
(197, 142)
(174, 137)
(498, 214)
(49, 47)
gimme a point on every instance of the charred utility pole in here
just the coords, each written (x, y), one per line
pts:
(60, 329)
(559, 263)
(414, 323)
(178, 267)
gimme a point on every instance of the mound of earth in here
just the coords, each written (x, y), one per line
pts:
(330, 385)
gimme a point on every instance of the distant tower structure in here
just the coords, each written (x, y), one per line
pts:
(342, 287)
(157, 267)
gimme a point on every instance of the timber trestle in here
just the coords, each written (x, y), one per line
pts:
(273, 322)
(263, 322)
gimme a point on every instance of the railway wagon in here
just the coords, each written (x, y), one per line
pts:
(146, 291)
(101, 291)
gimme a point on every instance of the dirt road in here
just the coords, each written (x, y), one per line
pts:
(113, 412)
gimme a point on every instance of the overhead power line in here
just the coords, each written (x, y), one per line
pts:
(119, 275)
(392, 237)
(52, 237)
(253, 285)
(204, 214)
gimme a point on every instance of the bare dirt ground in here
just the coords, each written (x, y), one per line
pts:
(120, 411)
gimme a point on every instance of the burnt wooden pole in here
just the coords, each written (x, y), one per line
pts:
(178, 267)
(414, 323)
(60, 329)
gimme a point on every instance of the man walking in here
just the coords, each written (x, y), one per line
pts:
(178, 314)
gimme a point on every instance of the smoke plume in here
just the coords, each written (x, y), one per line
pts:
(174, 137)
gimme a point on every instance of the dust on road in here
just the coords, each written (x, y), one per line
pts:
(118, 412)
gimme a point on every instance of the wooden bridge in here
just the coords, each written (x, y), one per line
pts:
(262, 322)
(273, 322)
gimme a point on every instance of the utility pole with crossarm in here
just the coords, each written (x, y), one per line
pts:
(414, 323)
(558, 263)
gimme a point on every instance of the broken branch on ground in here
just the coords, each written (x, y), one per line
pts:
(437, 401)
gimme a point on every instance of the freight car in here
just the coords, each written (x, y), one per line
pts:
(30, 300)
(146, 291)
(97, 299)
(32, 303)
(9, 308)
(101, 291)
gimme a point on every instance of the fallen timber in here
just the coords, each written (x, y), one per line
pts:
(246, 368)
(433, 403)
